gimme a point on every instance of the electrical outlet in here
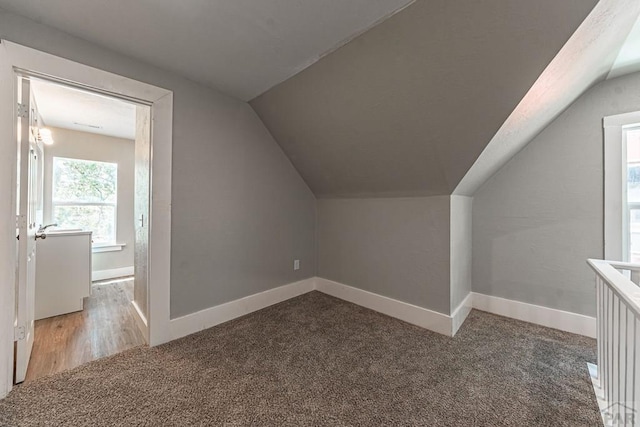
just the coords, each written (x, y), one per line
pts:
(296, 264)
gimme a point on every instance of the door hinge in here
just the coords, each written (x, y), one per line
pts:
(19, 333)
(23, 110)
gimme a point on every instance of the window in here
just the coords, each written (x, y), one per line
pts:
(632, 212)
(85, 196)
(622, 187)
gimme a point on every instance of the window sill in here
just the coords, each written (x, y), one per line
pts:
(108, 248)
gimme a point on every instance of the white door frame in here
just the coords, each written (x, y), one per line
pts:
(15, 58)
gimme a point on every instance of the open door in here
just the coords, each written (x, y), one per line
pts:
(27, 228)
(141, 213)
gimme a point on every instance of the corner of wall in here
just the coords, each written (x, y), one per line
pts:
(460, 251)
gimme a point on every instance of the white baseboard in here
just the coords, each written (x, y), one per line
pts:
(111, 274)
(449, 325)
(544, 316)
(419, 316)
(141, 321)
(409, 313)
(460, 314)
(191, 323)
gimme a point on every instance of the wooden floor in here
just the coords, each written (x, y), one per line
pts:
(106, 326)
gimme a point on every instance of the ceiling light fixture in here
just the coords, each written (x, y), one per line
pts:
(45, 136)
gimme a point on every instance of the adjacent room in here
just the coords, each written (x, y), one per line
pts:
(84, 174)
(278, 212)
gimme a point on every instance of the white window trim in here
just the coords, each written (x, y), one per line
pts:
(615, 209)
(57, 203)
(99, 248)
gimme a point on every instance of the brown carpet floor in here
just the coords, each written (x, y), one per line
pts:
(316, 360)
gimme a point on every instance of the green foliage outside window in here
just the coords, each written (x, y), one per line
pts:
(85, 196)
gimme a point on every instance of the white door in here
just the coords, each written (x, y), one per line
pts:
(27, 227)
(141, 211)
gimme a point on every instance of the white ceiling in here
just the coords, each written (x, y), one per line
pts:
(240, 47)
(68, 108)
(628, 60)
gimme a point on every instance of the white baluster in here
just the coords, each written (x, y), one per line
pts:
(609, 343)
(629, 355)
(618, 335)
(635, 395)
(599, 326)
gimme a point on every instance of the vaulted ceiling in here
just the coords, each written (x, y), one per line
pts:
(628, 59)
(240, 47)
(407, 107)
(376, 97)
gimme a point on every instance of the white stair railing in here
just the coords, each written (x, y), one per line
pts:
(617, 378)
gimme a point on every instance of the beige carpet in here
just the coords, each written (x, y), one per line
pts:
(316, 360)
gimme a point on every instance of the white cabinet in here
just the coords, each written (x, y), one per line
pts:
(63, 272)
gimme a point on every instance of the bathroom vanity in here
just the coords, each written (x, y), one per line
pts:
(63, 272)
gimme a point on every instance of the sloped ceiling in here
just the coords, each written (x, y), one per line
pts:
(407, 107)
(586, 59)
(240, 47)
(628, 59)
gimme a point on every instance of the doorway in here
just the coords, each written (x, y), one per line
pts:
(88, 183)
(21, 64)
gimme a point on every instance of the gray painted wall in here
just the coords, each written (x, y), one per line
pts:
(240, 211)
(89, 146)
(538, 219)
(407, 107)
(461, 249)
(397, 247)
